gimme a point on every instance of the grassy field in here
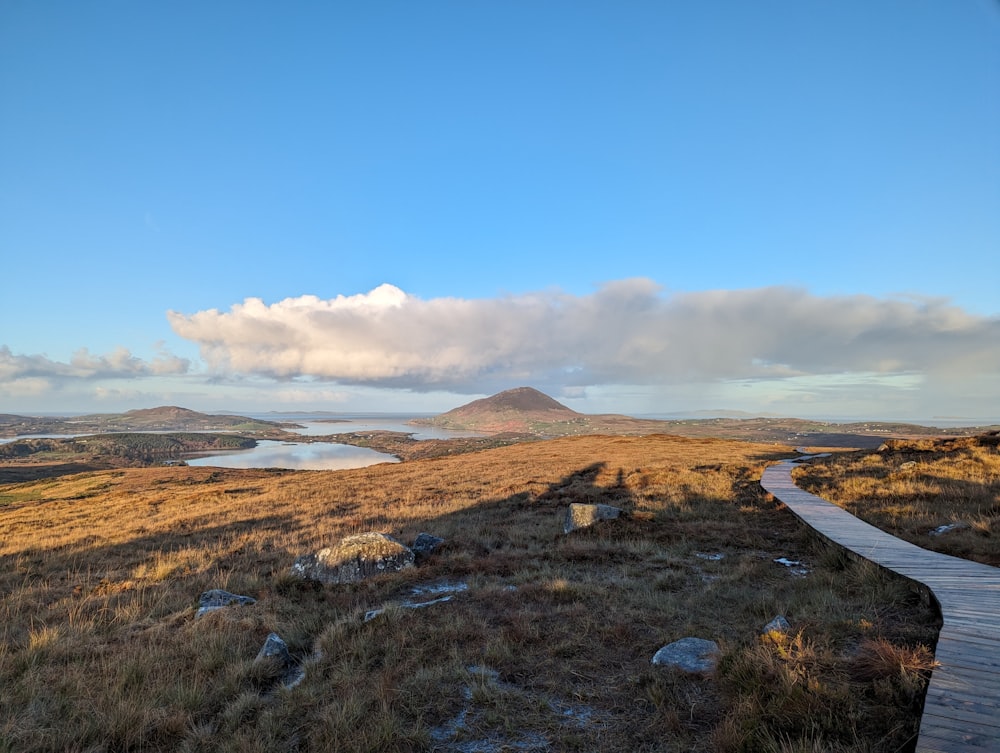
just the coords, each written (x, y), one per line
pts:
(912, 488)
(548, 648)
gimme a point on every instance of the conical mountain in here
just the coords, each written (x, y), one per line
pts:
(523, 409)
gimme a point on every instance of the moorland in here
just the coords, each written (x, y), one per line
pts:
(546, 642)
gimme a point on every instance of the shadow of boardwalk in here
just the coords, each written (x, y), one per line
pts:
(962, 706)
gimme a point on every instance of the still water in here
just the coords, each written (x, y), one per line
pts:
(315, 456)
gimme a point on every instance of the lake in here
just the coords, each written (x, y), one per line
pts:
(311, 456)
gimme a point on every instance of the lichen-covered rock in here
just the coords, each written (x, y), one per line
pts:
(354, 559)
(217, 599)
(692, 655)
(581, 515)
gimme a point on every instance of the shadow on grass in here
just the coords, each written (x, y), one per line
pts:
(16, 474)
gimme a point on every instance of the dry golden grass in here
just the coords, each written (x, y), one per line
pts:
(912, 487)
(549, 647)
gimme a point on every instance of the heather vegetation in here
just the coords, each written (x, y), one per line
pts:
(548, 647)
(941, 494)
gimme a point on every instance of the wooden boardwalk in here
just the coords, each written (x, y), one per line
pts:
(962, 709)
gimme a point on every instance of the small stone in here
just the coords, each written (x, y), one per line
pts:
(581, 515)
(948, 528)
(209, 601)
(692, 655)
(787, 562)
(275, 648)
(440, 587)
(778, 625)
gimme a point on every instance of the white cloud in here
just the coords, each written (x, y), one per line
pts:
(628, 332)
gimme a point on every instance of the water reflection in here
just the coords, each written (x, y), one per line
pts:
(316, 456)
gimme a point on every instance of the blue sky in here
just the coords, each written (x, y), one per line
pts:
(780, 206)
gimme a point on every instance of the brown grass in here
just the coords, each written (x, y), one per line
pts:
(550, 646)
(912, 487)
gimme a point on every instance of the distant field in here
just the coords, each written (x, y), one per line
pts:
(550, 645)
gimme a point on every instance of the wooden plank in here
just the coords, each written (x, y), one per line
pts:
(967, 700)
(950, 741)
(958, 730)
(969, 656)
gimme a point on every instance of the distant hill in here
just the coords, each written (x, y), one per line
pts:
(164, 413)
(164, 418)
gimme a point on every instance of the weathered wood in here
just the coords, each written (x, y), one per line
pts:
(962, 706)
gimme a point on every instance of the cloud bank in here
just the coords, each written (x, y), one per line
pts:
(119, 364)
(627, 332)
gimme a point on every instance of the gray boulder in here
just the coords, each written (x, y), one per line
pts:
(425, 544)
(217, 599)
(581, 515)
(275, 648)
(692, 655)
(354, 559)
